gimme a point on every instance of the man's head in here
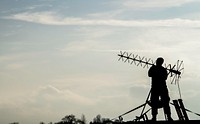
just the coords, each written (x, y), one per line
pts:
(159, 61)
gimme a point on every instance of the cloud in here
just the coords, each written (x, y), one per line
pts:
(49, 102)
(15, 66)
(52, 94)
(148, 4)
(50, 18)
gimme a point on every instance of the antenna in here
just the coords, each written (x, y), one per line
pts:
(174, 71)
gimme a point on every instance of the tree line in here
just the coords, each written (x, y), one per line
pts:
(72, 119)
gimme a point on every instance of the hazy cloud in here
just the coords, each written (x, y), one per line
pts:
(50, 18)
(15, 66)
(52, 94)
(147, 4)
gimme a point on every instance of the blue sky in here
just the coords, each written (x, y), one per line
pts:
(60, 57)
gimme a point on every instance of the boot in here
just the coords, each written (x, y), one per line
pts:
(169, 118)
(154, 118)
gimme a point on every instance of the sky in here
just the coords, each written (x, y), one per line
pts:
(59, 57)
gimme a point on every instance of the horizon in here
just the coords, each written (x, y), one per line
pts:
(60, 57)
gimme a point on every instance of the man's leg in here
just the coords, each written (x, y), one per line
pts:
(154, 103)
(165, 100)
(154, 113)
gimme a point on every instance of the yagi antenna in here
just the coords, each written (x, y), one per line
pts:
(174, 71)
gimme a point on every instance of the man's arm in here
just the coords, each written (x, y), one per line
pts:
(150, 72)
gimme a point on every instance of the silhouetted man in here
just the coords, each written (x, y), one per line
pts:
(159, 89)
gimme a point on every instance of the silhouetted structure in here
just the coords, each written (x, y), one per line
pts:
(159, 89)
(158, 94)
